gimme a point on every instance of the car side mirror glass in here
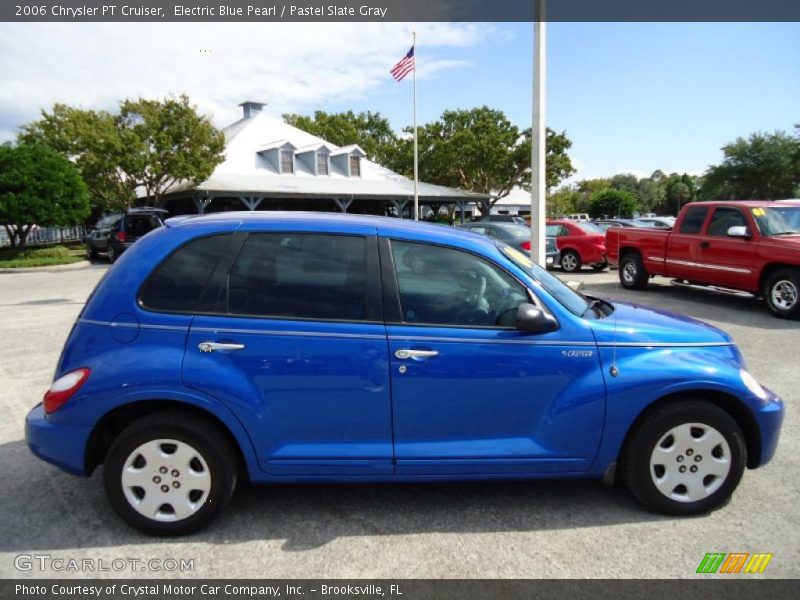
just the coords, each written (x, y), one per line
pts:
(532, 319)
(739, 231)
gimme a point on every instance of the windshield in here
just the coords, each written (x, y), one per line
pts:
(573, 301)
(777, 220)
(589, 227)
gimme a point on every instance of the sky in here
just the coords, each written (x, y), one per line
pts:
(633, 97)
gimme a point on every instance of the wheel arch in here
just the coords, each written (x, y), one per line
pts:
(732, 405)
(111, 424)
(625, 250)
(771, 268)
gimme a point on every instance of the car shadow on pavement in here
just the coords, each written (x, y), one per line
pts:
(46, 509)
(705, 304)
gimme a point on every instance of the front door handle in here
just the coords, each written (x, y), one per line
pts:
(211, 346)
(705, 245)
(406, 353)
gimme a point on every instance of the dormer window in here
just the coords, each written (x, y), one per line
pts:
(355, 166)
(322, 163)
(287, 161)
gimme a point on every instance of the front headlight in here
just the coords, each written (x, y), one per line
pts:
(752, 384)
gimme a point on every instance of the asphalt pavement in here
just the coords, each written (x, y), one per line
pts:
(520, 530)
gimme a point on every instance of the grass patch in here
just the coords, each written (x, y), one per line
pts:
(40, 257)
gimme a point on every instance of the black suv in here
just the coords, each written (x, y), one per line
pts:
(114, 234)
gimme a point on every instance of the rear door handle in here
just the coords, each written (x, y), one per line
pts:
(406, 353)
(211, 346)
(705, 245)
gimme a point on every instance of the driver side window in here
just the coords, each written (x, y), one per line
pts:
(444, 286)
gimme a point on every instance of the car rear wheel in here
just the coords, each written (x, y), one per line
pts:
(571, 261)
(782, 293)
(632, 273)
(92, 251)
(170, 473)
(112, 254)
(685, 458)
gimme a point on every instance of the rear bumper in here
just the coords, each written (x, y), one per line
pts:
(61, 445)
(770, 419)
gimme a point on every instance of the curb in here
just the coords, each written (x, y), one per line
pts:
(575, 285)
(50, 268)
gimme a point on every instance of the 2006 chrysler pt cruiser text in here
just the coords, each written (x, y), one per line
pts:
(324, 348)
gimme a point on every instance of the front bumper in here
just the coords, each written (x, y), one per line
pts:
(770, 418)
(61, 445)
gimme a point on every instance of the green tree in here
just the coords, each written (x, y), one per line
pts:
(166, 142)
(38, 186)
(152, 144)
(370, 130)
(764, 166)
(612, 202)
(91, 140)
(480, 150)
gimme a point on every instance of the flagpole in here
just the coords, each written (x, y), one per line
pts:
(416, 158)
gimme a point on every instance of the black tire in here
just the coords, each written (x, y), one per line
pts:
(112, 254)
(635, 463)
(571, 261)
(600, 267)
(205, 438)
(93, 253)
(632, 273)
(782, 293)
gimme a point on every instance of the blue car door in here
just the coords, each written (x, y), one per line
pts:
(470, 394)
(298, 352)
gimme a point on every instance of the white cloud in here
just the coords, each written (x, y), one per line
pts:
(292, 66)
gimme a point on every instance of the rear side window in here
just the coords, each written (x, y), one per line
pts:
(305, 276)
(140, 225)
(178, 283)
(693, 220)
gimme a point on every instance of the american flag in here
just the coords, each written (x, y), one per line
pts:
(404, 67)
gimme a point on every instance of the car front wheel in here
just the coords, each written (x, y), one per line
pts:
(685, 458)
(170, 473)
(782, 293)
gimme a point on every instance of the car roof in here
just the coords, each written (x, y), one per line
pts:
(338, 221)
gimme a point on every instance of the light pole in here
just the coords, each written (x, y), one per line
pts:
(538, 137)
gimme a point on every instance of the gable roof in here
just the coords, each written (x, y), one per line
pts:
(245, 172)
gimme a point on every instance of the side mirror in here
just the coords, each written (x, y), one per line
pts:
(532, 319)
(739, 231)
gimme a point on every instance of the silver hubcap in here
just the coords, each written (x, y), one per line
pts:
(629, 272)
(569, 262)
(784, 294)
(690, 462)
(166, 480)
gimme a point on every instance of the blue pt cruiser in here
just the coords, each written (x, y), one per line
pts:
(291, 347)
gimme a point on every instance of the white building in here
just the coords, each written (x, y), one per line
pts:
(270, 165)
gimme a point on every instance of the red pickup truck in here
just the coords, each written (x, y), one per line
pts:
(744, 246)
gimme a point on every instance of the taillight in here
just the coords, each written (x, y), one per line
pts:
(64, 388)
(121, 237)
(526, 245)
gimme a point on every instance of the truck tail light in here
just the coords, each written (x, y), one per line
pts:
(526, 245)
(63, 388)
(121, 236)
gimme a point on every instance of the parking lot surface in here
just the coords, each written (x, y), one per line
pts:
(523, 530)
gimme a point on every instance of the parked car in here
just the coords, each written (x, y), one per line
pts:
(606, 224)
(578, 217)
(301, 348)
(580, 243)
(744, 246)
(659, 222)
(515, 235)
(135, 223)
(98, 238)
(502, 219)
